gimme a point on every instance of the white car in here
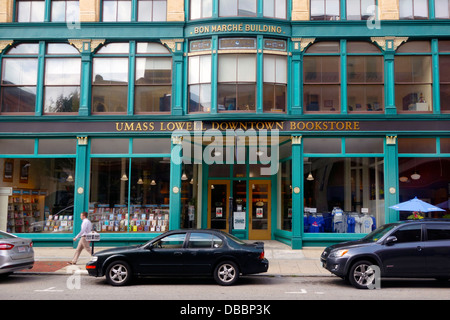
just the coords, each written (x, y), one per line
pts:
(15, 253)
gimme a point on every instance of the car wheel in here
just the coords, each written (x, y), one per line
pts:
(226, 273)
(362, 275)
(118, 273)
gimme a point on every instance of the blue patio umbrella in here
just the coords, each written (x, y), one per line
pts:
(415, 205)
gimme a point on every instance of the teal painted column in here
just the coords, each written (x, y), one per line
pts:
(131, 78)
(296, 84)
(297, 193)
(391, 183)
(389, 82)
(40, 80)
(177, 48)
(84, 46)
(435, 74)
(214, 72)
(175, 183)
(343, 58)
(259, 75)
(81, 179)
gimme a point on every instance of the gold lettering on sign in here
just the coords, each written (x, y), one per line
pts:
(238, 27)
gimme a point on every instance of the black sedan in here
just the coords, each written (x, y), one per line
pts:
(182, 252)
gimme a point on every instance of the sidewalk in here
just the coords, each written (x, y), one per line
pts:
(283, 261)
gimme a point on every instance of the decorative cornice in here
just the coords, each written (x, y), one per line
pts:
(173, 44)
(389, 43)
(302, 43)
(84, 45)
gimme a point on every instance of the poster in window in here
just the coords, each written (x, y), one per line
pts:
(8, 170)
(24, 171)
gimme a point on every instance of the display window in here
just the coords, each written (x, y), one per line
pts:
(41, 185)
(424, 162)
(129, 194)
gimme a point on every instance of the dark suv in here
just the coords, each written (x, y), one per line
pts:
(406, 249)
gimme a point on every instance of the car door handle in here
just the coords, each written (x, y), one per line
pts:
(178, 253)
(419, 248)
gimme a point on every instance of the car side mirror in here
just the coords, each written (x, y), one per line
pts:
(391, 240)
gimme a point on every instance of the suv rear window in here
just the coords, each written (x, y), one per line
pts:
(438, 232)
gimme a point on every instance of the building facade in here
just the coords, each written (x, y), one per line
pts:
(295, 120)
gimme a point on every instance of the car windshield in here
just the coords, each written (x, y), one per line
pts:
(377, 234)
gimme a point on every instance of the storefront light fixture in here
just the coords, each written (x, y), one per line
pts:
(415, 176)
(153, 183)
(310, 177)
(69, 178)
(124, 177)
(140, 181)
(403, 179)
(184, 176)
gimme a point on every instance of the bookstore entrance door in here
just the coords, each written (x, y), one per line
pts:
(259, 210)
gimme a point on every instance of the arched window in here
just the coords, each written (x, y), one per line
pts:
(153, 80)
(365, 89)
(19, 79)
(413, 77)
(62, 79)
(110, 79)
(321, 76)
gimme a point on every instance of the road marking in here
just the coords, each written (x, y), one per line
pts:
(51, 289)
(302, 291)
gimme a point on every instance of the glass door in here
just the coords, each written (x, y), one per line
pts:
(260, 211)
(218, 197)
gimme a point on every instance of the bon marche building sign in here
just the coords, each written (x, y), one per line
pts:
(237, 27)
(137, 127)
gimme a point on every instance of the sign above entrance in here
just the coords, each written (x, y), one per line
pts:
(137, 127)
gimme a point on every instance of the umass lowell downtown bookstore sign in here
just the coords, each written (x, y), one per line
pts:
(161, 127)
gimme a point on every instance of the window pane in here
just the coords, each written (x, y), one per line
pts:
(332, 9)
(24, 48)
(109, 11)
(37, 11)
(445, 145)
(247, 8)
(62, 71)
(174, 241)
(317, 9)
(153, 70)
(227, 68)
(151, 47)
(17, 146)
(59, 146)
(363, 98)
(61, 48)
(445, 97)
(406, 9)
(280, 9)
(409, 234)
(58, 11)
(110, 71)
(323, 98)
(109, 98)
(124, 11)
(200, 240)
(153, 98)
(200, 98)
(122, 47)
(159, 10)
(364, 69)
(353, 9)
(438, 232)
(61, 99)
(18, 99)
(246, 68)
(23, 11)
(322, 145)
(441, 9)
(228, 8)
(416, 145)
(109, 146)
(364, 145)
(420, 9)
(145, 10)
(321, 69)
(19, 71)
(247, 97)
(155, 145)
(413, 97)
(73, 11)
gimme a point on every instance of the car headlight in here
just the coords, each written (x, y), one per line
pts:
(94, 259)
(338, 253)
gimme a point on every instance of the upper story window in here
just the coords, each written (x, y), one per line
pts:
(444, 75)
(152, 83)
(365, 78)
(66, 10)
(199, 78)
(360, 9)
(275, 9)
(322, 78)
(19, 79)
(200, 9)
(413, 9)
(275, 76)
(30, 10)
(62, 79)
(147, 10)
(413, 77)
(442, 9)
(237, 8)
(325, 9)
